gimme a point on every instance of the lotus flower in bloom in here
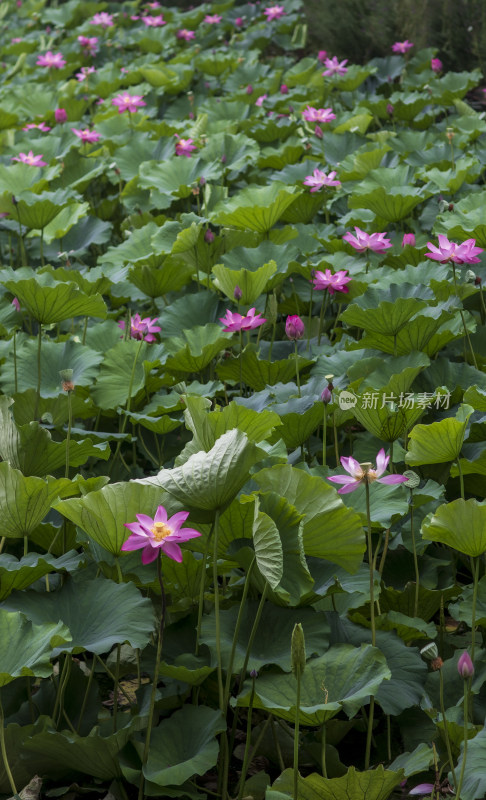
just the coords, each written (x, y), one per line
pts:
(89, 44)
(259, 101)
(334, 67)
(30, 159)
(312, 114)
(185, 34)
(41, 126)
(160, 533)
(185, 147)
(103, 19)
(86, 135)
(408, 238)
(237, 322)
(402, 47)
(274, 12)
(465, 253)
(436, 64)
(363, 473)
(141, 328)
(294, 327)
(51, 60)
(212, 19)
(367, 241)
(423, 788)
(333, 283)
(154, 22)
(318, 179)
(465, 666)
(128, 102)
(82, 75)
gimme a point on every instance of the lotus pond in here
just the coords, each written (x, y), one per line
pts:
(243, 410)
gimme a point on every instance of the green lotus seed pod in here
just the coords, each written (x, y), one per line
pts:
(430, 651)
(66, 375)
(413, 479)
(297, 649)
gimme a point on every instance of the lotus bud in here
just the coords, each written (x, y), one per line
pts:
(294, 327)
(209, 237)
(297, 649)
(408, 238)
(249, 89)
(253, 673)
(60, 115)
(237, 294)
(326, 395)
(390, 109)
(465, 666)
(477, 280)
(284, 89)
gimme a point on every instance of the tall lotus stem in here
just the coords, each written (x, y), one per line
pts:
(466, 332)
(246, 756)
(475, 574)
(39, 346)
(216, 612)
(412, 483)
(324, 303)
(3, 750)
(298, 659)
(297, 368)
(372, 614)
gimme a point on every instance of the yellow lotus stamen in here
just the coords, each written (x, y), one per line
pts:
(160, 531)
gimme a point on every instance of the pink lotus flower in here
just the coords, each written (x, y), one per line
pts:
(465, 666)
(51, 60)
(151, 535)
(185, 147)
(402, 47)
(334, 67)
(239, 22)
(366, 241)
(154, 22)
(423, 788)
(82, 75)
(312, 114)
(103, 19)
(89, 43)
(41, 126)
(141, 328)
(128, 102)
(185, 34)
(408, 239)
(212, 19)
(259, 101)
(294, 327)
(60, 115)
(16, 304)
(274, 12)
(465, 253)
(284, 89)
(86, 135)
(30, 159)
(236, 322)
(318, 179)
(436, 64)
(333, 283)
(363, 473)
(322, 55)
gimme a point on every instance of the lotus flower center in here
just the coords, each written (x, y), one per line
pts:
(160, 531)
(368, 475)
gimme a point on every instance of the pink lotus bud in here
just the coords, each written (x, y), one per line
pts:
(322, 55)
(318, 132)
(294, 327)
(408, 238)
(237, 294)
(465, 666)
(209, 237)
(249, 89)
(436, 64)
(389, 109)
(284, 89)
(16, 303)
(223, 159)
(239, 22)
(60, 115)
(326, 395)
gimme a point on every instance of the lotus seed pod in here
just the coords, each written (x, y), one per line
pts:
(297, 649)
(413, 479)
(430, 651)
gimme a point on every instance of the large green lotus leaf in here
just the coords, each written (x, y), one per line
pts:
(237, 522)
(465, 221)
(24, 501)
(407, 628)
(103, 514)
(403, 601)
(117, 371)
(450, 180)
(272, 646)
(268, 547)
(428, 331)
(418, 761)
(48, 301)
(438, 442)
(330, 530)
(183, 580)
(354, 123)
(27, 648)
(65, 220)
(35, 210)
(210, 481)
(139, 247)
(16, 178)
(375, 784)
(91, 281)
(184, 745)
(453, 86)
(474, 786)
(174, 78)
(187, 311)
(304, 207)
(341, 680)
(476, 398)
(387, 503)
(391, 375)
(392, 203)
(30, 447)
(390, 422)
(18, 574)
(406, 105)
(55, 356)
(358, 164)
(258, 373)
(251, 283)
(302, 419)
(174, 178)
(170, 276)
(194, 349)
(216, 63)
(99, 613)
(257, 208)
(239, 151)
(462, 608)
(387, 318)
(460, 524)
(269, 129)
(207, 427)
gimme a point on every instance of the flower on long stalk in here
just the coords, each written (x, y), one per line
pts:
(334, 67)
(402, 47)
(465, 666)
(294, 327)
(274, 12)
(128, 102)
(30, 159)
(312, 114)
(450, 252)
(236, 322)
(364, 473)
(141, 328)
(319, 179)
(86, 135)
(185, 147)
(333, 283)
(159, 533)
(104, 19)
(51, 60)
(367, 241)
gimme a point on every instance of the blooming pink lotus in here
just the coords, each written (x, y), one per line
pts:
(154, 22)
(402, 47)
(237, 322)
(41, 126)
(212, 19)
(465, 253)
(185, 147)
(128, 102)
(183, 33)
(366, 241)
(86, 135)
(312, 114)
(30, 159)
(51, 60)
(89, 44)
(334, 67)
(294, 327)
(141, 328)
(319, 179)
(274, 12)
(82, 75)
(259, 101)
(333, 283)
(436, 64)
(363, 473)
(408, 238)
(160, 533)
(103, 19)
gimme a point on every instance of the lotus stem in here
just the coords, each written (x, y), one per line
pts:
(115, 687)
(86, 694)
(372, 620)
(239, 619)
(415, 559)
(16, 385)
(68, 437)
(461, 476)
(201, 590)
(444, 720)
(336, 445)
(3, 749)
(309, 323)
(39, 345)
(475, 573)
(297, 368)
(296, 736)
(466, 725)
(246, 756)
(323, 751)
(324, 437)
(216, 612)
(324, 303)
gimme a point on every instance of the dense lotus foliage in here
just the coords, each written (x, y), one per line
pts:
(237, 277)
